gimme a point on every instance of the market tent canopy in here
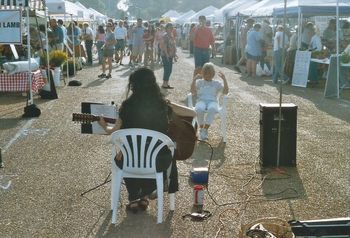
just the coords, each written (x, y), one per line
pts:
(62, 7)
(263, 8)
(88, 14)
(184, 17)
(314, 8)
(234, 8)
(98, 16)
(171, 14)
(208, 12)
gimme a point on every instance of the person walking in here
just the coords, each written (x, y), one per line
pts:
(88, 37)
(243, 42)
(202, 40)
(278, 47)
(253, 49)
(100, 40)
(168, 53)
(121, 35)
(138, 44)
(108, 50)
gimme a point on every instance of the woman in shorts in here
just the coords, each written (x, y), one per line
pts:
(108, 51)
(253, 49)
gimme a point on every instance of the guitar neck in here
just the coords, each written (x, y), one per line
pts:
(86, 118)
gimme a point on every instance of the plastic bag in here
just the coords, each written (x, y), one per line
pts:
(267, 71)
(259, 70)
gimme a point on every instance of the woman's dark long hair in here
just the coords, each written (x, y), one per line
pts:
(144, 89)
(143, 85)
(100, 29)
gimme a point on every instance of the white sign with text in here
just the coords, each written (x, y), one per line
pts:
(10, 27)
(301, 68)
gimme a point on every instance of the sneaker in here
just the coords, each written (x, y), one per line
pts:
(108, 76)
(102, 75)
(203, 134)
(285, 81)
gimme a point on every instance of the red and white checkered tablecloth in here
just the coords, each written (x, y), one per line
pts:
(19, 82)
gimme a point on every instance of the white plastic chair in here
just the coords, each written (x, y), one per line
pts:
(150, 143)
(222, 112)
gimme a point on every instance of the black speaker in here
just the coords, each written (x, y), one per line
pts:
(269, 119)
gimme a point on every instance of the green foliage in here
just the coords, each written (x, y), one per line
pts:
(345, 58)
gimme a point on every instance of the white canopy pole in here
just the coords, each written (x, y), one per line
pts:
(47, 48)
(30, 99)
(337, 46)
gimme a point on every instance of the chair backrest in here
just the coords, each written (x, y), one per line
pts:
(140, 148)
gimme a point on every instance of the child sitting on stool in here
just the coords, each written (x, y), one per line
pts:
(206, 89)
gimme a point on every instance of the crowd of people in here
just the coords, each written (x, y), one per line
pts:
(256, 40)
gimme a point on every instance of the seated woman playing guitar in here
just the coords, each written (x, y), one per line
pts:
(146, 108)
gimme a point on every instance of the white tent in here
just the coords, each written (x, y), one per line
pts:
(263, 8)
(98, 16)
(171, 14)
(234, 8)
(61, 7)
(314, 8)
(208, 12)
(88, 14)
(184, 17)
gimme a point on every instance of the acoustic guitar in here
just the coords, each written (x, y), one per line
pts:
(180, 130)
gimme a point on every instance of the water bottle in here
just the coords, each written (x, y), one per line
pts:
(198, 192)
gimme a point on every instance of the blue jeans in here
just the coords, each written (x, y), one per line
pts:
(168, 67)
(277, 66)
(99, 45)
(201, 56)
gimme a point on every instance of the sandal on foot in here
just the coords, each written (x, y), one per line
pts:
(133, 206)
(143, 204)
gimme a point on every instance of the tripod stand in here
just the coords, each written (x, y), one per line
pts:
(107, 180)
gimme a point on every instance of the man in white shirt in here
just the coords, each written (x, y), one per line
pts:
(120, 34)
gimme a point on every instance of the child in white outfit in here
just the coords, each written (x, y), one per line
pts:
(207, 91)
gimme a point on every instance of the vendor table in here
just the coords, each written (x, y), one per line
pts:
(18, 82)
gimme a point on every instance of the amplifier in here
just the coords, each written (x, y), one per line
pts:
(324, 228)
(269, 125)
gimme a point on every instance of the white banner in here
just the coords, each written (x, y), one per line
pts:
(10, 27)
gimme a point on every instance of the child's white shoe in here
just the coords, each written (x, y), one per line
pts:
(203, 134)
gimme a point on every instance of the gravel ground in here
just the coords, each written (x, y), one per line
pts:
(48, 163)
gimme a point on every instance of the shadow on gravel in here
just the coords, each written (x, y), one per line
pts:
(204, 152)
(282, 183)
(95, 83)
(142, 224)
(7, 123)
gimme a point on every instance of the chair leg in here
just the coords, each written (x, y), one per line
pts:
(116, 184)
(172, 201)
(223, 127)
(160, 195)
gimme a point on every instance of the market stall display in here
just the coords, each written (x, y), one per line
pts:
(18, 82)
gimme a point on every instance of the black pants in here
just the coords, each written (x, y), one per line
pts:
(139, 188)
(88, 46)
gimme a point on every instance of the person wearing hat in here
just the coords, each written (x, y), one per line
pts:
(203, 38)
(243, 41)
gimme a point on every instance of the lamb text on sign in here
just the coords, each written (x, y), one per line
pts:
(10, 25)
